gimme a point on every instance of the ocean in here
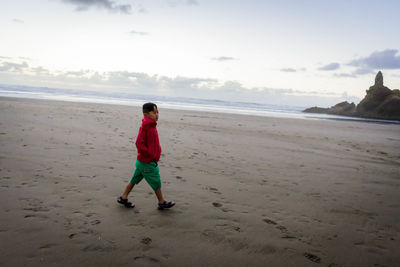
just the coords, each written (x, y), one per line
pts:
(130, 99)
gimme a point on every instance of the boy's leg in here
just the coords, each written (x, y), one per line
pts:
(124, 198)
(162, 204)
(151, 173)
(159, 195)
(127, 190)
(136, 178)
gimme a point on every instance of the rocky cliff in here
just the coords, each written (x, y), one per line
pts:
(379, 103)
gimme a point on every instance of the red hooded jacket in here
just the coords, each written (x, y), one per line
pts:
(147, 142)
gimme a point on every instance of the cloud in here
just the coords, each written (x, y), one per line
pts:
(288, 70)
(192, 2)
(155, 83)
(81, 73)
(126, 82)
(13, 67)
(141, 9)
(18, 21)
(331, 66)
(355, 73)
(133, 32)
(386, 59)
(40, 71)
(345, 75)
(83, 5)
(378, 60)
(293, 69)
(362, 71)
(223, 58)
(175, 3)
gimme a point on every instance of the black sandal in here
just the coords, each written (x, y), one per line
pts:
(166, 205)
(125, 202)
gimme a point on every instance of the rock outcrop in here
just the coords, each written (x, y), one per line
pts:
(343, 108)
(379, 103)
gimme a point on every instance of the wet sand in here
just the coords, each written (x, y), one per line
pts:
(253, 191)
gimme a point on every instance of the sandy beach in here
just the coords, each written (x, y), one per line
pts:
(253, 191)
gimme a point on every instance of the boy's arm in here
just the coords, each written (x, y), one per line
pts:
(141, 144)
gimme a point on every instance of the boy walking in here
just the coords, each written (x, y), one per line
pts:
(149, 152)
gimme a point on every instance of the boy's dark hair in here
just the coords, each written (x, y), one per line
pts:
(148, 107)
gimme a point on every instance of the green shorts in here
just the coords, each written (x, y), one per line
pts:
(149, 171)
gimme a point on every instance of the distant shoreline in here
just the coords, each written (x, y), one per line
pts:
(250, 111)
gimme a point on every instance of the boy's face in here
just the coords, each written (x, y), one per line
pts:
(153, 114)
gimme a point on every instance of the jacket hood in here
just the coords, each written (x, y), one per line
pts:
(148, 122)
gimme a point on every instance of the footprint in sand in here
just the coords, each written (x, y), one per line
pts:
(269, 221)
(283, 229)
(40, 216)
(146, 241)
(226, 226)
(99, 247)
(312, 257)
(95, 222)
(212, 189)
(219, 205)
(180, 178)
(216, 204)
(47, 246)
(146, 258)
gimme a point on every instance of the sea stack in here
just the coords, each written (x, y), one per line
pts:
(379, 79)
(379, 103)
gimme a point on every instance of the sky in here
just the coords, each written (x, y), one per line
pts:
(291, 52)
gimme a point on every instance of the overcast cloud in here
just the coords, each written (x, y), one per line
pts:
(18, 21)
(345, 75)
(378, 60)
(83, 5)
(329, 67)
(386, 59)
(293, 69)
(175, 3)
(223, 58)
(288, 70)
(133, 32)
(13, 67)
(143, 83)
(186, 42)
